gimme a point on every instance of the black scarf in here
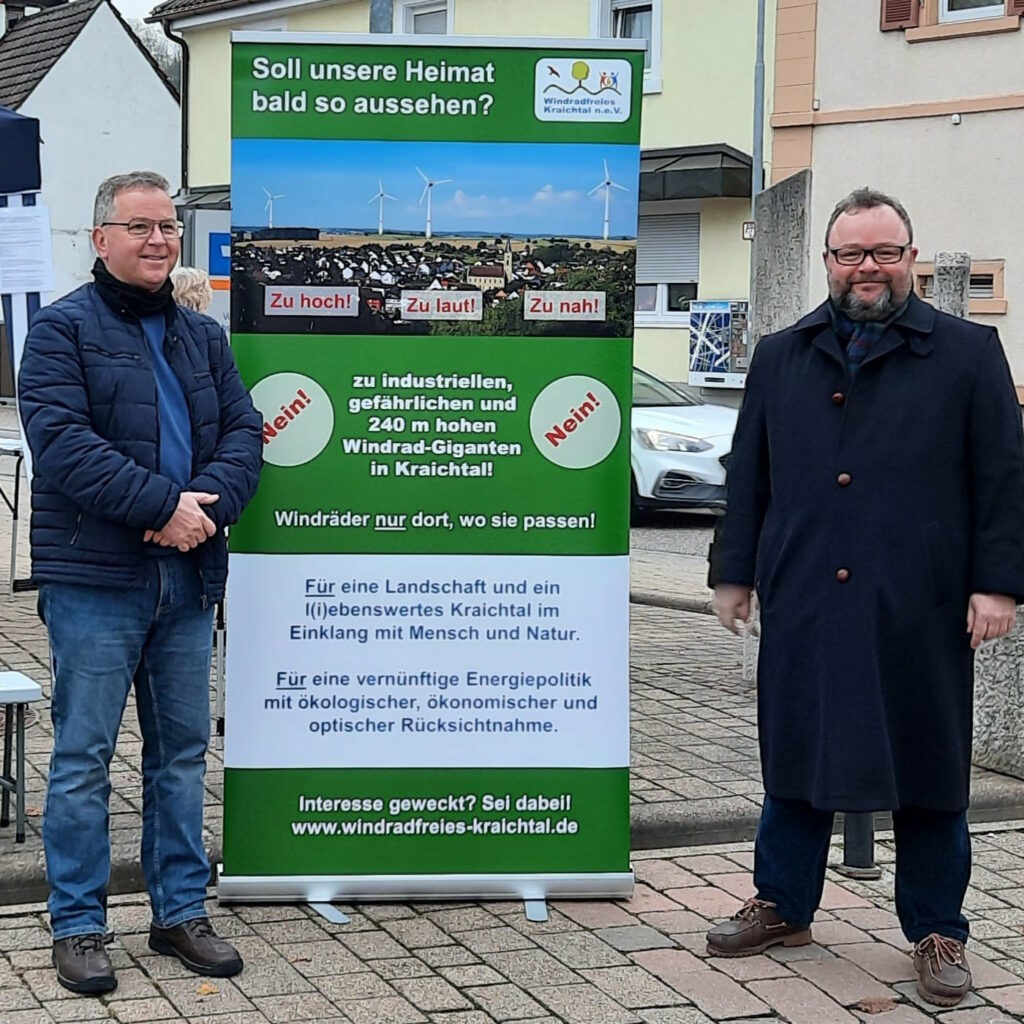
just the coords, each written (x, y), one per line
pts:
(860, 336)
(130, 298)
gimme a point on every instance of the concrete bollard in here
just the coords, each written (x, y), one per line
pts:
(999, 705)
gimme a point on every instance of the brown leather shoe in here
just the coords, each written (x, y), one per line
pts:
(752, 929)
(943, 974)
(83, 965)
(198, 947)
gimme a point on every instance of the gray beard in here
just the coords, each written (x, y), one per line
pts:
(857, 309)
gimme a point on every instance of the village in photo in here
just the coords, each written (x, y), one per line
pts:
(477, 239)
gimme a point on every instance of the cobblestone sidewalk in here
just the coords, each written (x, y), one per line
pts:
(641, 961)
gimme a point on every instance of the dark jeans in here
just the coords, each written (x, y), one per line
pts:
(933, 865)
(102, 639)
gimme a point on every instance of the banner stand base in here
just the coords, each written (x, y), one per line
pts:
(377, 888)
(331, 913)
(536, 910)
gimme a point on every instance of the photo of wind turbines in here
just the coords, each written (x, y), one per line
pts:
(497, 218)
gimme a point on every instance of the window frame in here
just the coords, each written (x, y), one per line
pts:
(406, 11)
(997, 305)
(661, 315)
(995, 9)
(601, 24)
(932, 28)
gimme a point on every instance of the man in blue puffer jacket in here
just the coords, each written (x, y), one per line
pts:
(145, 445)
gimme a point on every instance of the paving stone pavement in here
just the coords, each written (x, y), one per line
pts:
(637, 961)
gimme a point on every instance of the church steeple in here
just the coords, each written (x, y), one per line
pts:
(507, 261)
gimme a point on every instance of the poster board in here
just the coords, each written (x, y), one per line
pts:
(433, 253)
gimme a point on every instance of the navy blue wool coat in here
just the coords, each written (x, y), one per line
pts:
(865, 510)
(88, 401)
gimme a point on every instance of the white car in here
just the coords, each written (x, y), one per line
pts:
(679, 447)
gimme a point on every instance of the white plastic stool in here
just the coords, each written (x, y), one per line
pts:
(16, 692)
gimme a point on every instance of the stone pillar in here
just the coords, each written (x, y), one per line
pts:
(782, 252)
(999, 705)
(999, 665)
(780, 285)
(952, 282)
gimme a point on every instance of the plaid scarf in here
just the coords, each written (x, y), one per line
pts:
(860, 336)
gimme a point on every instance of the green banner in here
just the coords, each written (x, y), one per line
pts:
(438, 821)
(437, 92)
(433, 255)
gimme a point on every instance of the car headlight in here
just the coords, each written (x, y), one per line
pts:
(664, 441)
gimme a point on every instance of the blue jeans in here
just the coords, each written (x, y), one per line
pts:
(933, 865)
(102, 638)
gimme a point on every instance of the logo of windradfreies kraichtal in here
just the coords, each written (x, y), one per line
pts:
(568, 89)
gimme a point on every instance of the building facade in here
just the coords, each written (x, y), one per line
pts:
(924, 100)
(695, 179)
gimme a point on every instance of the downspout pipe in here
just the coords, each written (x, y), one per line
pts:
(183, 99)
(757, 162)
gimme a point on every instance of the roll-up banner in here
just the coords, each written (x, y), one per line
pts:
(433, 253)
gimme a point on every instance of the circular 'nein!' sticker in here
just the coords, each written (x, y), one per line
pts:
(298, 418)
(575, 422)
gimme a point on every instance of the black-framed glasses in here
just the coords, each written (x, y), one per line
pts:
(142, 227)
(854, 256)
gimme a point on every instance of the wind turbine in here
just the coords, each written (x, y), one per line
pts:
(607, 184)
(428, 191)
(379, 198)
(270, 206)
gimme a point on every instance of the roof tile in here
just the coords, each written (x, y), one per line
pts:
(32, 47)
(177, 8)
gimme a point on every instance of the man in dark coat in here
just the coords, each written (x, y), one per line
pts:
(145, 445)
(876, 505)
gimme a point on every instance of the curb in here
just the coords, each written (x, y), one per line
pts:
(700, 605)
(655, 830)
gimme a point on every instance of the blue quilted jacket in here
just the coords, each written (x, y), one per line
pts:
(87, 396)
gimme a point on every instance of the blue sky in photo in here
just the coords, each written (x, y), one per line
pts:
(516, 188)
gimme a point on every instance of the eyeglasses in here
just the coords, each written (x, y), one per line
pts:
(142, 227)
(852, 256)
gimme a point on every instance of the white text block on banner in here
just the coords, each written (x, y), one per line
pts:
(552, 305)
(429, 661)
(437, 305)
(310, 300)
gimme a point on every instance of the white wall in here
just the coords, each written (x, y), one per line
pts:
(960, 185)
(859, 66)
(102, 110)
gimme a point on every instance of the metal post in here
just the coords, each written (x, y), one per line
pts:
(19, 782)
(859, 847)
(382, 15)
(220, 636)
(14, 524)
(5, 798)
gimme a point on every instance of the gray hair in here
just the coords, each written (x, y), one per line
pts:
(192, 288)
(867, 199)
(103, 208)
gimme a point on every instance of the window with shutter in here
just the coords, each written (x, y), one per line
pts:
(667, 267)
(899, 14)
(987, 287)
